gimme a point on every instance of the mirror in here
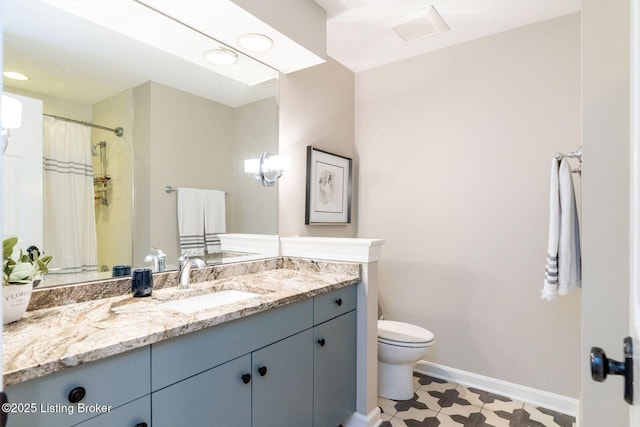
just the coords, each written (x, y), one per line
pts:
(185, 125)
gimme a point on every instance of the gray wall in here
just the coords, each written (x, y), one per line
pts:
(316, 108)
(454, 150)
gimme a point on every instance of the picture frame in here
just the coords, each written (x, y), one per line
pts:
(328, 192)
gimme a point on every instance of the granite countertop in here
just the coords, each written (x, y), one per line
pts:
(51, 339)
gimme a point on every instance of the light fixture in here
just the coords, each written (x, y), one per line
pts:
(255, 42)
(426, 24)
(15, 75)
(221, 56)
(10, 118)
(268, 168)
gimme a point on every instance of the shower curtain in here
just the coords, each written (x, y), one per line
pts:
(69, 212)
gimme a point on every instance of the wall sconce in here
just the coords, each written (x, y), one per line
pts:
(10, 118)
(268, 168)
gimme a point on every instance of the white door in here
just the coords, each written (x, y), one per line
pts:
(609, 195)
(634, 414)
(22, 177)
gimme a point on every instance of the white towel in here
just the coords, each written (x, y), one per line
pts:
(563, 268)
(214, 219)
(191, 214)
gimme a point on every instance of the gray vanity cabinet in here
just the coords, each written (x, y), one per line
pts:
(282, 383)
(132, 414)
(216, 397)
(291, 366)
(74, 395)
(334, 357)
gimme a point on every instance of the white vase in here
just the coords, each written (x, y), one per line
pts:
(15, 299)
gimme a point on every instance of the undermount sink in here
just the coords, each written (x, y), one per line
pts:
(203, 302)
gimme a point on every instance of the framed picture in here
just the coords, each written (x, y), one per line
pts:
(328, 198)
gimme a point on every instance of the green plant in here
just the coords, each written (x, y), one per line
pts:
(25, 268)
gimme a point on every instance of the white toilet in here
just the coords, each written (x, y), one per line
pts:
(400, 346)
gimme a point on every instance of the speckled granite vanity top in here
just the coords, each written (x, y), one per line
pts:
(67, 333)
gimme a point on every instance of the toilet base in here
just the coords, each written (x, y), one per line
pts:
(395, 382)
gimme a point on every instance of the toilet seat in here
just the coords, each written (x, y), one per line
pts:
(403, 334)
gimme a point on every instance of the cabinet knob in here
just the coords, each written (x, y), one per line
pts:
(77, 394)
(339, 302)
(246, 378)
(322, 342)
(262, 370)
(141, 425)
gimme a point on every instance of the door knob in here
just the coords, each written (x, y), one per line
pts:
(601, 366)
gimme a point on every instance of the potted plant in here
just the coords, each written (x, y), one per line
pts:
(17, 279)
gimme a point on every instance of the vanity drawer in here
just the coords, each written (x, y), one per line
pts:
(334, 303)
(178, 358)
(106, 384)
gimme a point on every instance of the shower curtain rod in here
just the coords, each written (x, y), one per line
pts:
(117, 131)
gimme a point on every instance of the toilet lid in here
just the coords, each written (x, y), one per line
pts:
(403, 332)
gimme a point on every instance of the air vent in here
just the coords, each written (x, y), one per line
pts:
(426, 25)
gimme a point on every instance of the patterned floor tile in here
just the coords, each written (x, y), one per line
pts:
(432, 384)
(470, 395)
(387, 406)
(394, 422)
(549, 417)
(504, 404)
(416, 414)
(521, 418)
(493, 420)
(438, 403)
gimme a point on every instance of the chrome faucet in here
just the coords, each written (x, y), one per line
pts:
(185, 270)
(158, 258)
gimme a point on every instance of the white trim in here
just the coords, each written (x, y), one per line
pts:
(634, 215)
(332, 248)
(545, 399)
(358, 420)
(264, 244)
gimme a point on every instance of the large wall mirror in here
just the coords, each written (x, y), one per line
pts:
(185, 125)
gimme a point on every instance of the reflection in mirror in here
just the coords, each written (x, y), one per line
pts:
(184, 126)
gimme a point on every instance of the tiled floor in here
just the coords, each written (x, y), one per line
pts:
(438, 403)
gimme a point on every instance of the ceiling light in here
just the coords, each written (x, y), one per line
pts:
(15, 75)
(255, 42)
(221, 56)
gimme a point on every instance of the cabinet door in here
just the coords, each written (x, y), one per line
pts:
(334, 386)
(219, 397)
(133, 414)
(283, 383)
(73, 395)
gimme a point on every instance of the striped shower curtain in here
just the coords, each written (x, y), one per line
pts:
(69, 212)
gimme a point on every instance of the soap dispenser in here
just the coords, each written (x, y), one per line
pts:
(158, 258)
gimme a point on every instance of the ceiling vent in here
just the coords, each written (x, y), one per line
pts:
(426, 25)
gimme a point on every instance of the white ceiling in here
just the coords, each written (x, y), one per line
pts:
(360, 34)
(72, 53)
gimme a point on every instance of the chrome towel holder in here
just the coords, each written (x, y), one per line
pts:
(575, 155)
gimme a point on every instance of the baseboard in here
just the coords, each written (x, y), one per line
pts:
(372, 419)
(556, 402)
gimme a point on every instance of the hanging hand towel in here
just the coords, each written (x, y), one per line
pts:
(569, 257)
(191, 208)
(563, 268)
(550, 289)
(214, 219)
